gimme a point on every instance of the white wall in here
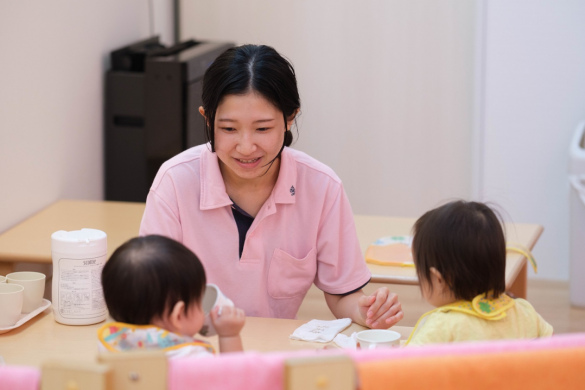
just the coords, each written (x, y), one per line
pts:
(534, 98)
(53, 55)
(388, 91)
(386, 88)
(411, 107)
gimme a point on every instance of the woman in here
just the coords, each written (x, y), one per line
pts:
(267, 221)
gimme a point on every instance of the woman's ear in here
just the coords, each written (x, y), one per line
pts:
(202, 112)
(290, 120)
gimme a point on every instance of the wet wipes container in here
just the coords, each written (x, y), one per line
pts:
(78, 259)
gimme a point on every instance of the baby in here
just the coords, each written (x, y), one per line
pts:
(153, 287)
(459, 251)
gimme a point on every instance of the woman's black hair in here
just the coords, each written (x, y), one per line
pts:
(465, 242)
(146, 276)
(250, 68)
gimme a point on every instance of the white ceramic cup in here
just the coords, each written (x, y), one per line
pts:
(34, 288)
(2, 279)
(212, 298)
(11, 299)
(377, 338)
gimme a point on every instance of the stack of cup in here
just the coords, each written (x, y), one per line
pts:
(20, 293)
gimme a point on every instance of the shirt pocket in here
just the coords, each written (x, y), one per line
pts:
(290, 277)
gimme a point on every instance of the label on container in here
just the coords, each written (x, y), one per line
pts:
(80, 288)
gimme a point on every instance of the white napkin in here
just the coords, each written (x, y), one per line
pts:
(319, 330)
(347, 342)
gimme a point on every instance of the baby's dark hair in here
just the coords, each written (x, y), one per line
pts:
(146, 276)
(465, 242)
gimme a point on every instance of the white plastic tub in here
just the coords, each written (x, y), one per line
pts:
(577, 217)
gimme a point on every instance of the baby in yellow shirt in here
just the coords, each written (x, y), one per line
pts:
(459, 251)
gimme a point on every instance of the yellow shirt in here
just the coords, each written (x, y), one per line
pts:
(450, 323)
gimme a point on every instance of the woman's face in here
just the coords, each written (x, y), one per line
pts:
(249, 132)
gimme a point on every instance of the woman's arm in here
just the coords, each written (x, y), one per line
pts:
(380, 310)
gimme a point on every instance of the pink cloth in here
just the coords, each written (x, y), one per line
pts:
(265, 371)
(19, 378)
(554, 342)
(226, 372)
(235, 371)
(303, 234)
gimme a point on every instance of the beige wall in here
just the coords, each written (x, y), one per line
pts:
(416, 102)
(411, 101)
(386, 89)
(53, 55)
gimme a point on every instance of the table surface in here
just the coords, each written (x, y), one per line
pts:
(42, 338)
(30, 241)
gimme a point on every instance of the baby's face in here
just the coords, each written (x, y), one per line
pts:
(193, 321)
(429, 293)
(436, 292)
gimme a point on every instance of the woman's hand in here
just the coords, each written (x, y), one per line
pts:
(227, 320)
(381, 309)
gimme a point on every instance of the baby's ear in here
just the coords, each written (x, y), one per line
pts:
(176, 314)
(439, 280)
(437, 275)
(435, 272)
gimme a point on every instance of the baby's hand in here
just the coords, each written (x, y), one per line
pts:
(228, 321)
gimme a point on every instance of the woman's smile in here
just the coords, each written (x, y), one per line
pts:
(248, 161)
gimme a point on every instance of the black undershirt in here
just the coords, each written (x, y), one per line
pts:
(244, 221)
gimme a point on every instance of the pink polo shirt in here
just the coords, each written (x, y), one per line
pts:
(303, 234)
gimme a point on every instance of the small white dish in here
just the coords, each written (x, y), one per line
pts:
(25, 317)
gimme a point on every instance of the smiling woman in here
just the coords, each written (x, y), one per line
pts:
(249, 136)
(267, 221)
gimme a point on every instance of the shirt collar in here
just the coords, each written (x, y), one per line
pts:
(286, 185)
(214, 195)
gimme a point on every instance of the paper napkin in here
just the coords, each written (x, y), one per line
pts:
(319, 330)
(346, 342)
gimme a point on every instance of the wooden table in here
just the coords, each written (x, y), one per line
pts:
(370, 228)
(30, 241)
(42, 338)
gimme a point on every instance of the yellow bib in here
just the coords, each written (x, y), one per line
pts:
(481, 306)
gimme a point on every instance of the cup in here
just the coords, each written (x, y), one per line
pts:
(377, 338)
(34, 288)
(11, 299)
(2, 279)
(212, 298)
